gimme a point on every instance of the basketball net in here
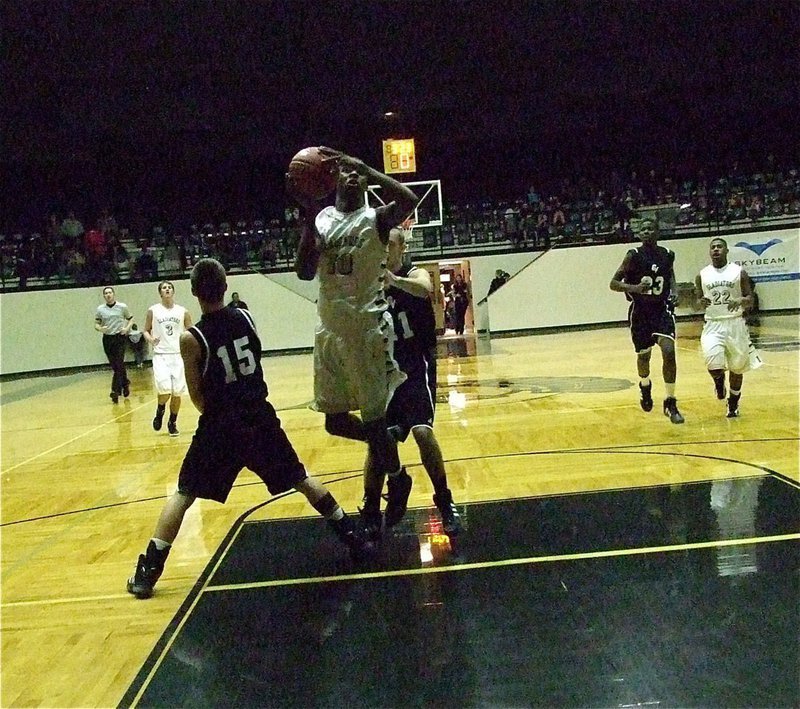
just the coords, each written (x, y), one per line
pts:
(408, 226)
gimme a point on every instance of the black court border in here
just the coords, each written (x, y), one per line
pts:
(141, 680)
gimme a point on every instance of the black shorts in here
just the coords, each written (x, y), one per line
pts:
(648, 324)
(414, 401)
(223, 445)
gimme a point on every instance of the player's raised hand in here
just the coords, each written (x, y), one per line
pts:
(305, 201)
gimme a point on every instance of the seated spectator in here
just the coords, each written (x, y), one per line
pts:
(138, 345)
(145, 268)
(75, 265)
(268, 254)
(71, 229)
(95, 249)
(543, 230)
(236, 303)
(755, 209)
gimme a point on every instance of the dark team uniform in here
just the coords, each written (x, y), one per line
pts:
(650, 314)
(414, 401)
(238, 427)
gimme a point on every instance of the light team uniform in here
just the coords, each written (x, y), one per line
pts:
(354, 367)
(168, 372)
(726, 340)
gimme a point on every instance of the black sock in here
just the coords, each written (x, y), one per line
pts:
(173, 417)
(160, 410)
(372, 500)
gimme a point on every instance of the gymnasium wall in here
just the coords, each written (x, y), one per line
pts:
(570, 286)
(46, 330)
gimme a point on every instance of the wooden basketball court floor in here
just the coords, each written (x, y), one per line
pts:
(611, 558)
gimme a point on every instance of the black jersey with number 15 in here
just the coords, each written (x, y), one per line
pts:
(232, 378)
(655, 263)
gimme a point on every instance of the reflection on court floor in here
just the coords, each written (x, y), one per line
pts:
(679, 595)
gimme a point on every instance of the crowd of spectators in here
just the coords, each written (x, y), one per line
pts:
(572, 212)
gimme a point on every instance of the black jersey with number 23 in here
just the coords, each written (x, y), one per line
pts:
(655, 263)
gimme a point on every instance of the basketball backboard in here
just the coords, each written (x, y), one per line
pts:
(429, 211)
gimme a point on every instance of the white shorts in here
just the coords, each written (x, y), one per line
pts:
(168, 374)
(726, 345)
(356, 373)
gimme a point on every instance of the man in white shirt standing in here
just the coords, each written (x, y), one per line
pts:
(163, 326)
(723, 290)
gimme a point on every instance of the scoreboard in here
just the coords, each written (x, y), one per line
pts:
(398, 156)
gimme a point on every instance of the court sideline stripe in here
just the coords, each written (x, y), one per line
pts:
(622, 448)
(580, 556)
(74, 438)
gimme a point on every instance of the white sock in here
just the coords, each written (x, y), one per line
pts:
(161, 544)
(670, 389)
(337, 514)
(735, 393)
(644, 382)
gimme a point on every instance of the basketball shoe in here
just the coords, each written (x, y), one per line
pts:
(451, 520)
(352, 537)
(172, 427)
(371, 523)
(397, 501)
(158, 421)
(671, 410)
(733, 406)
(148, 570)
(646, 397)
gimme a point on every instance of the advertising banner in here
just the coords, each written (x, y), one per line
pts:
(767, 257)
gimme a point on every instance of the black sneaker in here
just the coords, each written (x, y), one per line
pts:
(451, 520)
(371, 523)
(158, 421)
(733, 406)
(399, 489)
(126, 392)
(646, 397)
(148, 570)
(671, 410)
(719, 388)
(114, 397)
(354, 538)
(172, 427)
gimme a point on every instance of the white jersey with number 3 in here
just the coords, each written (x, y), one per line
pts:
(168, 324)
(722, 286)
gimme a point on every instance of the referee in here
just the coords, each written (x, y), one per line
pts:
(114, 320)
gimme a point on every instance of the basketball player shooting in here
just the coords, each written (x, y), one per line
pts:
(345, 245)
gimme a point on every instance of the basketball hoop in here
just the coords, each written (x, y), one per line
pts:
(408, 228)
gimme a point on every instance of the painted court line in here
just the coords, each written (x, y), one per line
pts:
(73, 439)
(509, 562)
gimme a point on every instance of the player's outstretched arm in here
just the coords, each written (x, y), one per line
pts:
(418, 283)
(192, 354)
(700, 301)
(747, 292)
(400, 199)
(307, 256)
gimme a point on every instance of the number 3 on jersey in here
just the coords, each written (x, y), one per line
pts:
(244, 358)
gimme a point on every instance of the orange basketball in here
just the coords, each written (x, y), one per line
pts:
(310, 175)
